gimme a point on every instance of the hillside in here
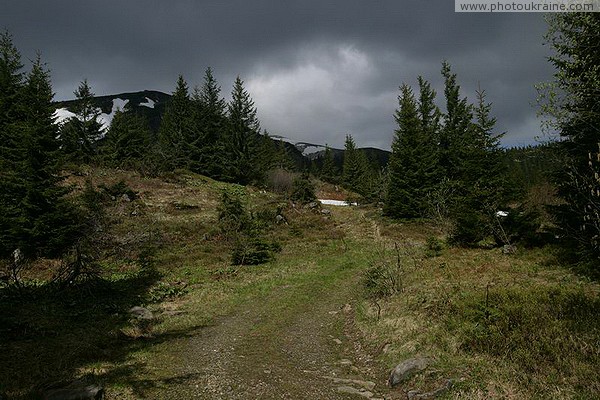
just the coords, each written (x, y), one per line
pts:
(151, 104)
(349, 296)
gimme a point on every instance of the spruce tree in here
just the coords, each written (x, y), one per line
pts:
(176, 136)
(127, 141)
(243, 136)
(353, 167)
(455, 137)
(573, 103)
(329, 171)
(210, 124)
(12, 113)
(409, 167)
(41, 221)
(79, 134)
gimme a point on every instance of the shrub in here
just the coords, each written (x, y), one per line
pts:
(303, 190)
(119, 189)
(382, 280)
(253, 251)
(245, 231)
(280, 181)
(434, 247)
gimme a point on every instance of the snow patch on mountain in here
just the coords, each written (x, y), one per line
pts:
(106, 119)
(148, 103)
(62, 114)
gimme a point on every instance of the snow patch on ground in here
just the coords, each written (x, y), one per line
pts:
(336, 203)
(148, 103)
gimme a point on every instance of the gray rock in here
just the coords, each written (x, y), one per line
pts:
(312, 205)
(141, 313)
(351, 390)
(509, 249)
(125, 198)
(406, 369)
(280, 219)
(75, 391)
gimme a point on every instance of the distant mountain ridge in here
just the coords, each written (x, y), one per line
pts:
(152, 104)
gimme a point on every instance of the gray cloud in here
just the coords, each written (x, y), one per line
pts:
(317, 70)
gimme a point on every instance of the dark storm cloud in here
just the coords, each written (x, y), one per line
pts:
(316, 70)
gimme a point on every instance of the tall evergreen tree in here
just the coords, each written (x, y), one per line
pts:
(11, 81)
(127, 141)
(176, 135)
(410, 168)
(244, 129)
(329, 171)
(79, 134)
(41, 221)
(11, 153)
(455, 135)
(573, 103)
(353, 167)
(210, 124)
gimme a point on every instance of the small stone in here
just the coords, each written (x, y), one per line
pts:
(337, 341)
(406, 369)
(509, 249)
(125, 198)
(312, 205)
(141, 313)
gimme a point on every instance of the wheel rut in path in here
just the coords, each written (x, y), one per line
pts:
(269, 352)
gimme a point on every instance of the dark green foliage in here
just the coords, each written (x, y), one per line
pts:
(176, 134)
(358, 175)
(243, 136)
(245, 232)
(303, 190)
(329, 171)
(470, 227)
(434, 247)
(413, 165)
(448, 166)
(128, 141)
(210, 129)
(573, 102)
(36, 218)
(79, 134)
(532, 165)
(253, 251)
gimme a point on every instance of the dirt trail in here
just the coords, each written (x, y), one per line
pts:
(270, 351)
(298, 354)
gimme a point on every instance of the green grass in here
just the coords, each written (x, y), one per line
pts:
(503, 326)
(516, 326)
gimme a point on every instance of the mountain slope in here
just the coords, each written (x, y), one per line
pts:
(151, 104)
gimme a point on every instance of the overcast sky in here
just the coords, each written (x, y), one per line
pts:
(317, 70)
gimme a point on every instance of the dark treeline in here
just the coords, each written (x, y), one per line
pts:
(199, 131)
